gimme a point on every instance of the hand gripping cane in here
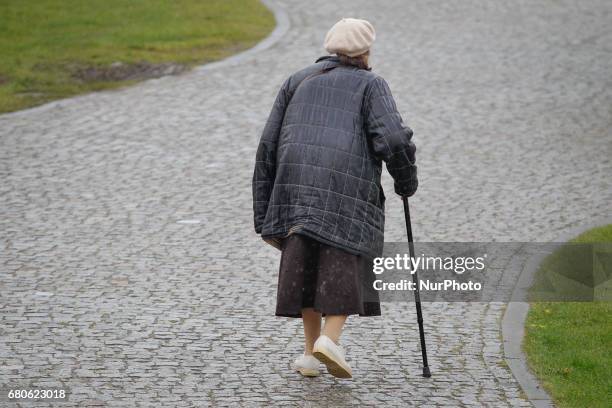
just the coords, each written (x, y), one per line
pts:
(417, 297)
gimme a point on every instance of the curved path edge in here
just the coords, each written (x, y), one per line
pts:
(281, 28)
(513, 323)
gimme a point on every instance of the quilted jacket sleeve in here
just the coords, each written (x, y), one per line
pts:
(389, 137)
(265, 159)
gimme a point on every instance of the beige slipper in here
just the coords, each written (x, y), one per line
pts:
(333, 356)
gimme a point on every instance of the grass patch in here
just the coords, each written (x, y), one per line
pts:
(568, 345)
(48, 44)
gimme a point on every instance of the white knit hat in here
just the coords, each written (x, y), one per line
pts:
(350, 36)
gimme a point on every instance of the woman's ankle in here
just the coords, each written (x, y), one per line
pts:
(332, 336)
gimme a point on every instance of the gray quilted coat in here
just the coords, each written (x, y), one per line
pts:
(319, 160)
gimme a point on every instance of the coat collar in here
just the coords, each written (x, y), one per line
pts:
(331, 58)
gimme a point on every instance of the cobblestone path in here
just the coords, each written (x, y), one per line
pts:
(130, 272)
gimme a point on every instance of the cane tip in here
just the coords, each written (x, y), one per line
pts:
(426, 372)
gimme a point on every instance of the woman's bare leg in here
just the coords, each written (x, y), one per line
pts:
(333, 326)
(312, 328)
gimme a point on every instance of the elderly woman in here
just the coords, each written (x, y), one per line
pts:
(317, 194)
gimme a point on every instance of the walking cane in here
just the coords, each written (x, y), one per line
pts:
(417, 296)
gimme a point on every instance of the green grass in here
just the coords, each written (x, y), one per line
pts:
(568, 345)
(44, 42)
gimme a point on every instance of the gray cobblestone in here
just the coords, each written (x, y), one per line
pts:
(109, 289)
